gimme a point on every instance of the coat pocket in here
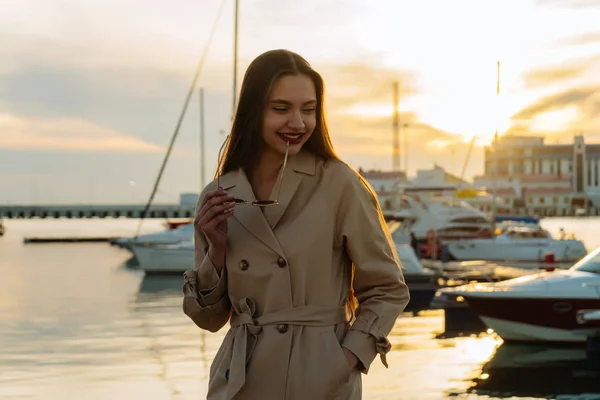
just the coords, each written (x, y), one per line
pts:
(337, 358)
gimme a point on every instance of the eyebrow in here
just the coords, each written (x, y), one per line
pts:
(287, 103)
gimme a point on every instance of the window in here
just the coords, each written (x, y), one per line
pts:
(555, 200)
(541, 199)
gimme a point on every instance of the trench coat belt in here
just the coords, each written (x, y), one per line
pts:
(248, 328)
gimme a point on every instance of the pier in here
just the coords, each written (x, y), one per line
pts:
(97, 211)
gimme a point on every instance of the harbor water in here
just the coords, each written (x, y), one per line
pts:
(76, 322)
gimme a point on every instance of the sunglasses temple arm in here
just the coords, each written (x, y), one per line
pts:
(219, 162)
(282, 171)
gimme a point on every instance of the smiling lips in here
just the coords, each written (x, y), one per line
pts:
(292, 138)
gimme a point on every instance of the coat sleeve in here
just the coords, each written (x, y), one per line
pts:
(378, 281)
(205, 297)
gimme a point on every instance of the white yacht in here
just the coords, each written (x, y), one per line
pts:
(448, 217)
(165, 258)
(518, 244)
(171, 236)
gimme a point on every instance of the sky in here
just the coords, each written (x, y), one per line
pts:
(91, 91)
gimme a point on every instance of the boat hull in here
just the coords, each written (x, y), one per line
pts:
(536, 319)
(563, 250)
(157, 260)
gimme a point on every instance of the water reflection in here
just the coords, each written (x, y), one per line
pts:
(164, 285)
(527, 370)
(77, 323)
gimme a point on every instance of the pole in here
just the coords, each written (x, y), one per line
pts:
(202, 160)
(235, 56)
(405, 136)
(396, 137)
(495, 158)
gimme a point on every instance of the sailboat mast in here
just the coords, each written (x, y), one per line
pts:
(235, 55)
(202, 161)
(495, 156)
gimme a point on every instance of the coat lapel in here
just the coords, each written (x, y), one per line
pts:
(251, 217)
(261, 224)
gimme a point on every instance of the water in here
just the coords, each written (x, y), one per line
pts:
(76, 323)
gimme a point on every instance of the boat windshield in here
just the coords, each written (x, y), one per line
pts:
(589, 263)
(524, 233)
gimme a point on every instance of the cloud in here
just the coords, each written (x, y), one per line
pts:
(571, 3)
(66, 134)
(542, 77)
(574, 96)
(583, 39)
(568, 71)
(358, 82)
(560, 115)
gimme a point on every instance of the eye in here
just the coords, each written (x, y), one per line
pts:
(280, 109)
(310, 110)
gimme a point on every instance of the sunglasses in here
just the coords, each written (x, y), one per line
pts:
(259, 203)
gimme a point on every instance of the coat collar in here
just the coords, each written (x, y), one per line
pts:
(260, 224)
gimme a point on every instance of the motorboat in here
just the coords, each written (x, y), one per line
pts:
(518, 243)
(165, 258)
(177, 258)
(544, 307)
(447, 217)
(422, 282)
(170, 236)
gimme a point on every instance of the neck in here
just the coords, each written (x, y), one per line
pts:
(267, 168)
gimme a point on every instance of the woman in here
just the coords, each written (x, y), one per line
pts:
(285, 275)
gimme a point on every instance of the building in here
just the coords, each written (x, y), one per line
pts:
(532, 177)
(437, 177)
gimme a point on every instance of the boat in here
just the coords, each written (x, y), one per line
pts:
(449, 218)
(518, 243)
(422, 282)
(177, 258)
(173, 258)
(171, 236)
(173, 224)
(540, 307)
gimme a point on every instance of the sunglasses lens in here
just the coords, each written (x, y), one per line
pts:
(263, 203)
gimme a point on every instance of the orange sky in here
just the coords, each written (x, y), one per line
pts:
(109, 78)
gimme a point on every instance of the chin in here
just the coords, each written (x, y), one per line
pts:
(293, 149)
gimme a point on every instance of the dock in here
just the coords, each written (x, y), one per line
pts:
(78, 211)
(83, 239)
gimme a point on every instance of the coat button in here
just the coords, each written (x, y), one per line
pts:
(244, 265)
(281, 262)
(282, 328)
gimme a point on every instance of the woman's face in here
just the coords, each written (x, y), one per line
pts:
(290, 114)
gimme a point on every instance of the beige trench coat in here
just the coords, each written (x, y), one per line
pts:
(287, 281)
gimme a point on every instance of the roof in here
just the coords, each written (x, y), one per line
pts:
(378, 174)
(548, 190)
(545, 178)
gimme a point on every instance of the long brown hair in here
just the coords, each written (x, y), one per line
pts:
(245, 141)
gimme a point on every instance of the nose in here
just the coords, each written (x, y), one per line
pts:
(296, 122)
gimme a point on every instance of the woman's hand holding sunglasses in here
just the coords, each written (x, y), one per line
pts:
(216, 208)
